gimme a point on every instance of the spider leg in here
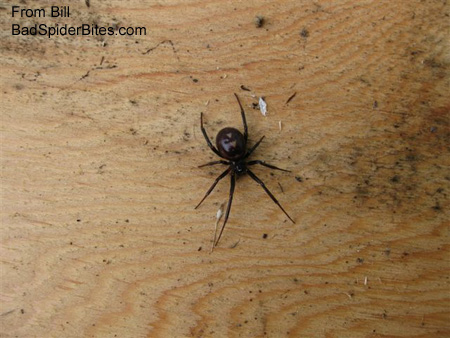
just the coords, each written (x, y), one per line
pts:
(252, 149)
(266, 165)
(219, 217)
(208, 141)
(261, 183)
(222, 175)
(244, 121)
(227, 213)
(213, 162)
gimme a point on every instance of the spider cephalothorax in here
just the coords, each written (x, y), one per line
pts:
(231, 145)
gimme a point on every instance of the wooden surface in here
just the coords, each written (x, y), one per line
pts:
(101, 139)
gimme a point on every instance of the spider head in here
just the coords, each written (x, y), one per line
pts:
(239, 167)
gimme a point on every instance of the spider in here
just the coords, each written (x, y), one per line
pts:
(231, 145)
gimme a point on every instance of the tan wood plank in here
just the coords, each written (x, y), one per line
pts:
(101, 139)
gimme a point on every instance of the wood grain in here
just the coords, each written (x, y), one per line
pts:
(101, 139)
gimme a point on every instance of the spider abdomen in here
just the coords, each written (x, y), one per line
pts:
(231, 143)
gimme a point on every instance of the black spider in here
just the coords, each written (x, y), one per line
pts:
(232, 146)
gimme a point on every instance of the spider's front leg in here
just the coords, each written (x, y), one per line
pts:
(227, 213)
(261, 183)
(222, 175)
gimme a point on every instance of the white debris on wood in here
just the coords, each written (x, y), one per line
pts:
(218, 217)
(279, 124)
(365, 280)
(219, 212)
(263, 106)
(348, 295)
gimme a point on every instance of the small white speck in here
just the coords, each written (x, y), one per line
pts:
(218, 217)
(263, 106)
